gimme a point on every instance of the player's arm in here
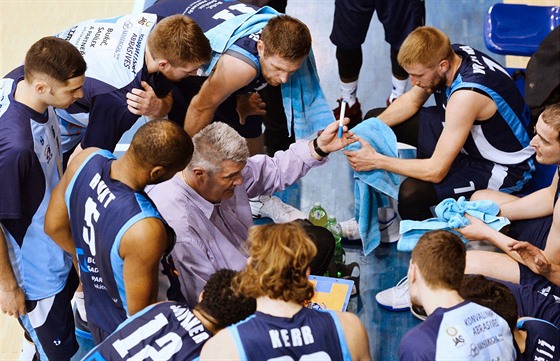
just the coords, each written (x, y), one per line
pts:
(534, 205)
(537, 261)
(356, 336)
(405, 106)
(57, 219)
(12, 297)
(221, 346)
(141, 249)
(458, 123)
(229, 75)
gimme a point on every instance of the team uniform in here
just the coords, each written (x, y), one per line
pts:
(466, 331)
(352, 19)
(208, 14)
(309, 334)
(30, 164)
(542, 342)
(102, 211)
(496, 154)
(164, 331)
(114, 52)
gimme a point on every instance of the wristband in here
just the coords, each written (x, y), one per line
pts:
(318, 150)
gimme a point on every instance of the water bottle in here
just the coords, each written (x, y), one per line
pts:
(334, 227)
(318, 215)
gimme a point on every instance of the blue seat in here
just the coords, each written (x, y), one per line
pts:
(513, 29)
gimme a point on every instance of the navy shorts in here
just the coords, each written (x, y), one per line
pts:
(352, 18)
(50, 322)
(467, 174)
(535, 295)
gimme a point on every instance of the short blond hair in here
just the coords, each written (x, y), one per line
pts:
(426, 46)
(179, 40)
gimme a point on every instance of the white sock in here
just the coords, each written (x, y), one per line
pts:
(348, 91)
(399, 88)
(27, 350)
(80, 305)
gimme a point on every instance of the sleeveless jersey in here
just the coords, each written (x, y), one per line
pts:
(164, 331)
(466, 331)
(502, 139)
(543, 340)
(309, 334)
(102, 210)
(30, 168)
(209, 14)
(114, 52)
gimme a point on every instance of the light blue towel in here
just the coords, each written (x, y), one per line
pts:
(450, 214)
(304, 102)
(373, 187)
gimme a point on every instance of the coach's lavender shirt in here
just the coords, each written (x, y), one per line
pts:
(207, 241)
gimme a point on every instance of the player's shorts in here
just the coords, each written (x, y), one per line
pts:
(352, 19)
(535, 295)
(467, 174)
(50, 323)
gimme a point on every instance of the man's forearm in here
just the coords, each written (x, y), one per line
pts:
(197, 118)
(8, 280)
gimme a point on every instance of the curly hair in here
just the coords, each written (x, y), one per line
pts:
(280, 257)
(220, 302)
(492, 294)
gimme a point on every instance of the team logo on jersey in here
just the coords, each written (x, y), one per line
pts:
(128, 24)
(147, 23)
(545, 291)
(458, 340)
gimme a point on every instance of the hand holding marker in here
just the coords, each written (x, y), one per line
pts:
(341, 119)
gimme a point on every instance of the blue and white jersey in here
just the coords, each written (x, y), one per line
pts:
(211, 14)
(309, 334)
(542, 342)
(30, 168)
(466, 331)
(164, 331)
(502, 139)
(114, 52)
(101, 210)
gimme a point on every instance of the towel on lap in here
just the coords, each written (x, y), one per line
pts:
(450, 214)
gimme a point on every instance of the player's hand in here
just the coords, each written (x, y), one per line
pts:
(476, 231)
(12, 302)
(533, 257)
(250, 104)
(144, 102)
(364, 159)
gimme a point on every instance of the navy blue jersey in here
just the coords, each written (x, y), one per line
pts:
(309, 334)
(102, 210)
(542, 342)
(114, 51)
(30, 168)
(466, 331)
(502, 139)
(210, 14)
(164, 331)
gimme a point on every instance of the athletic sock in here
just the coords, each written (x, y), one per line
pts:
(399, 88)
(348, 91)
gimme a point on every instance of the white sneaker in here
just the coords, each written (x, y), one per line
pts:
(389, 222)
(395, 298)
(350, 229)
(273, 208)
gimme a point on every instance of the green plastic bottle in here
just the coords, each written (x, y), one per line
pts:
(334, 227)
